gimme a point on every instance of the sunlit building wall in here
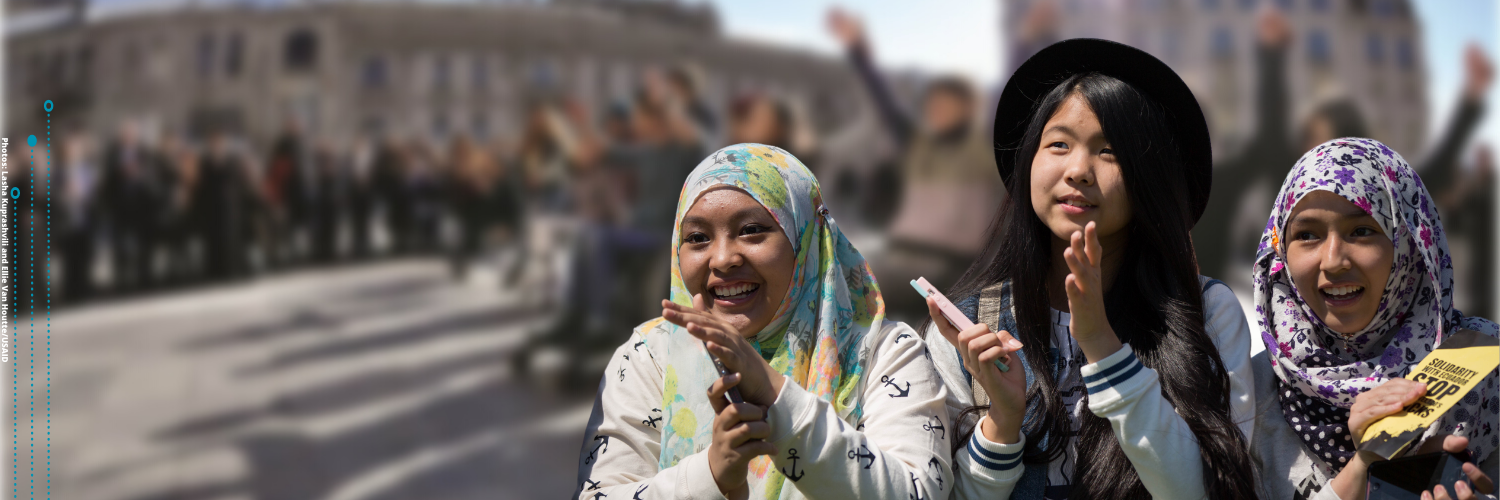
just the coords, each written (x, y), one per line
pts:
(419, 69)
(1367, 50)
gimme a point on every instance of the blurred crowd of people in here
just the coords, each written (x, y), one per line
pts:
(576, 209)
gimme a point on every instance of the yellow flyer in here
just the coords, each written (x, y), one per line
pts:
(1453, 368)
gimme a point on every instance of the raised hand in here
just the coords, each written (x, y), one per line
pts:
(1478, 72)
(1272, 29)
(760, 383)
(847, 28)
(980, 348)
(739, 433)
(1085, 286)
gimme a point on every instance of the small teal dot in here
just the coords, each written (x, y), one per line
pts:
(31, 140)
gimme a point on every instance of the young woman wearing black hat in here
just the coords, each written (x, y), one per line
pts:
(1127, 371)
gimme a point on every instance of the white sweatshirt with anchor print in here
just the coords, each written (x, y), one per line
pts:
(900, 448)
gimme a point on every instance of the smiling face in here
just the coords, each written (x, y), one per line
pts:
(1075, 178)
(735, 254)
(1339, 259)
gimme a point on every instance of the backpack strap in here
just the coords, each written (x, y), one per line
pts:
(1211, 282)
(993, 302)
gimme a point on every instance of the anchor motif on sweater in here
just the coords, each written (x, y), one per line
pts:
(937, 470)
(916, 488)
(935, 426)
(600, 448)
(857, 456)
(900, 393)
(795, 474)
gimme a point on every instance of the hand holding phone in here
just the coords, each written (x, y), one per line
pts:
(734, 392)
(977, 345)
(1406, 478)
(950, 312)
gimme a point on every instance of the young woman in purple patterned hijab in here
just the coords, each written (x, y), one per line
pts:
(1354, 286)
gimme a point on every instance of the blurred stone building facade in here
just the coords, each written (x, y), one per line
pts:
(1368, 50)
(412, 68)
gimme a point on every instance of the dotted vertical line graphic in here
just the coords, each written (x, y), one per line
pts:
(30, 299)
(31, 304)
(47, 275)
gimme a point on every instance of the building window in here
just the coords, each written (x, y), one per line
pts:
(1248, 5)
(1375, 48)
(372, 74)
(1286, 5)
(1317, 46)
(38, 73)
(205, 55)
(374, 125)
(481, 73)
(1319, 6)
(1210, 5)
(440, 124)
(479, 124)
(1402, 10)
(1404, 56)
(131, 60)
(1222, 43)
(301, 51)
(1170, 45)
(84, 62)
(440, 73)
(234, 53)
(58, 67)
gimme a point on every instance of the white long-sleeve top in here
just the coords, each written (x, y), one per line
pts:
(899, 449)
(1154, 437)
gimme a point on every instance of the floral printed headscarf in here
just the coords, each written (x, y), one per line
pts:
(817, 337)
(1320, 371)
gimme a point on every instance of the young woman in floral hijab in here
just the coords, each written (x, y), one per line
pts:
(838, 401)
(1354, 286)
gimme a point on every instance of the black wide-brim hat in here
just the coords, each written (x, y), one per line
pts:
(1035, 78)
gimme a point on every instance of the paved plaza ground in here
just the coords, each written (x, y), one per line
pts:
(378, 381)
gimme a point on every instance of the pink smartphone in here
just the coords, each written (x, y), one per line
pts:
(950, 312)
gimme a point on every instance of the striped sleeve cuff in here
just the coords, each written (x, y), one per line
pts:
(992, 459)
(1115, 379)
(992, 462)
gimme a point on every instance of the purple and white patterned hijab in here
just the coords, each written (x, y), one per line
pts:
(1320, 371)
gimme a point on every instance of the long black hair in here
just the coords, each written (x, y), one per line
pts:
(1155, 303)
